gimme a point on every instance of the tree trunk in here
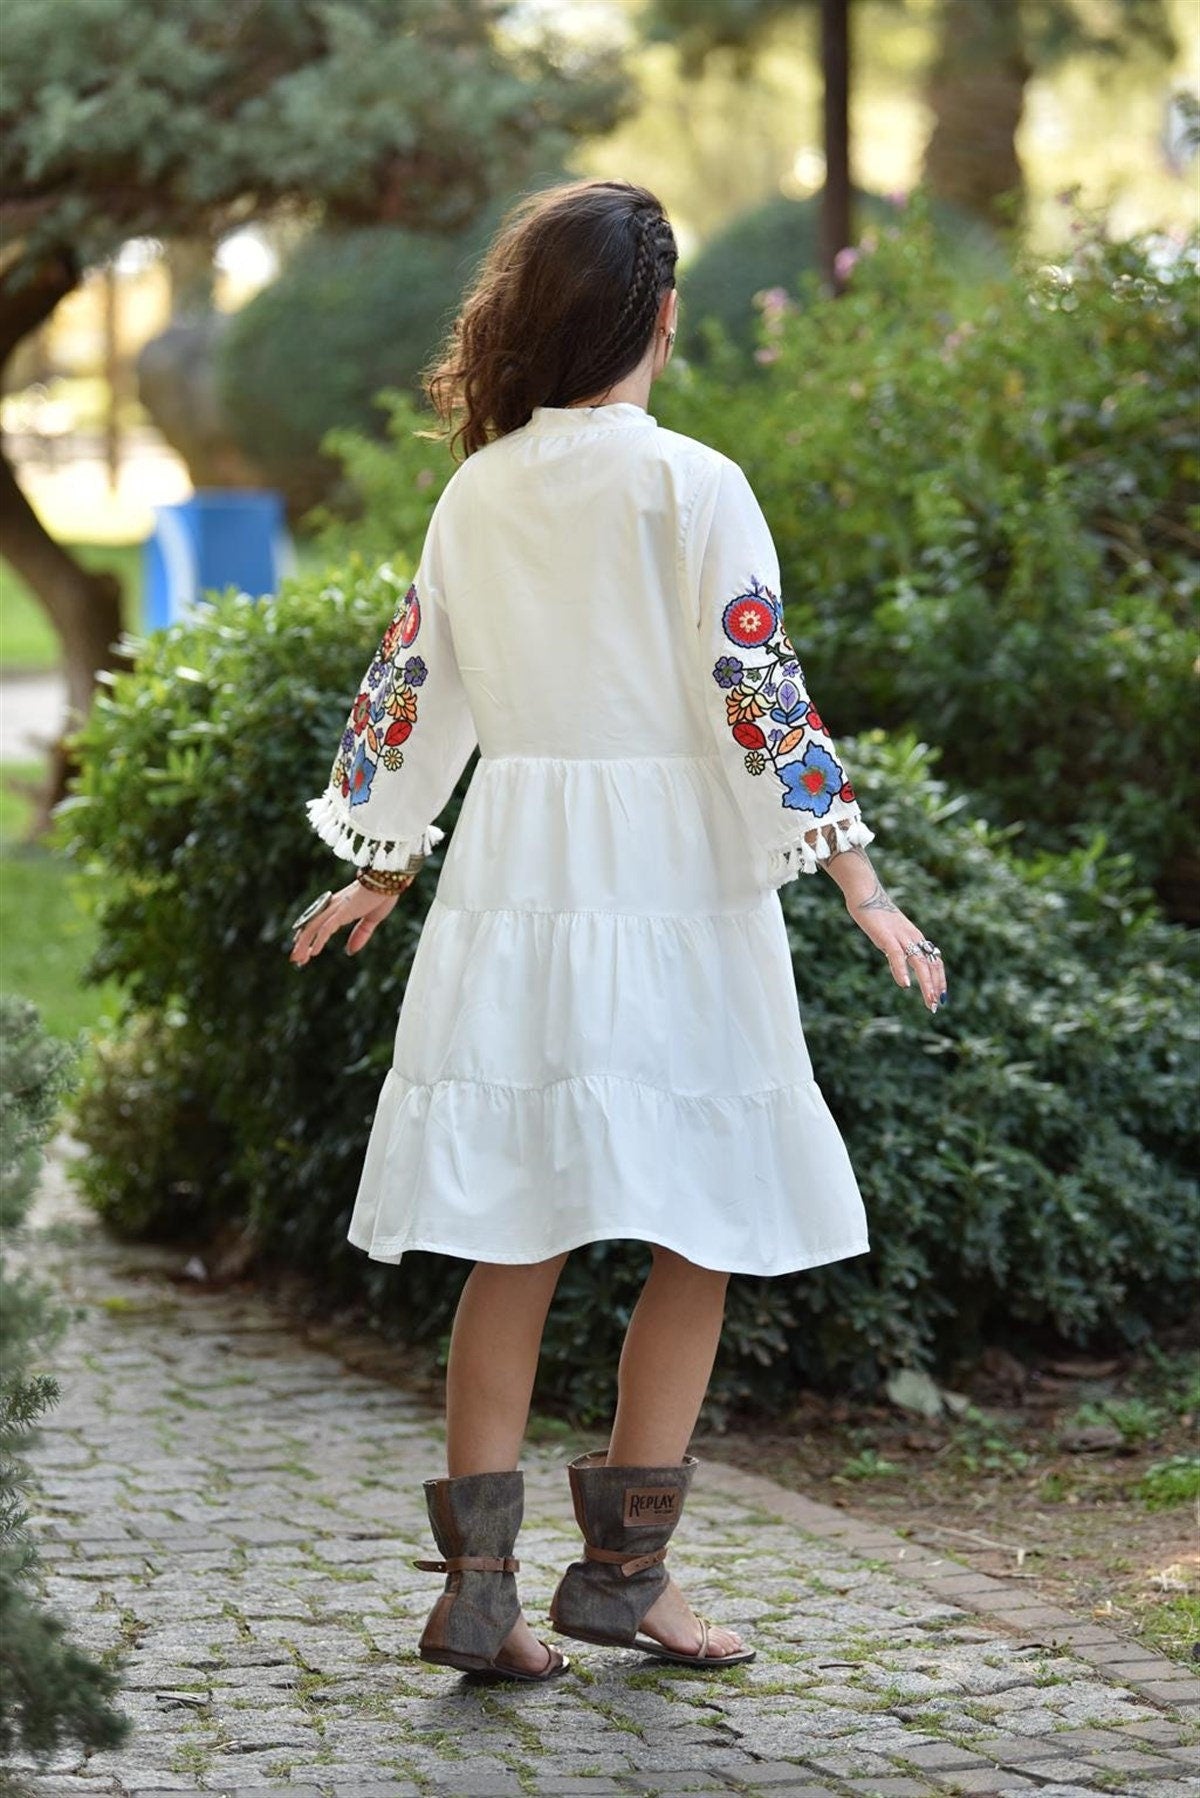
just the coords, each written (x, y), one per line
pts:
(84, 608)
(976, 89)
(836, 226)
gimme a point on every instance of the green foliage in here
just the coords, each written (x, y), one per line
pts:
(122, 118)
(1175, 1481)
(389, 487)
(986, 506)
(1136, 1419)
(358, 311)
(145, 1107)
(777, 245)
(51, 1692)
(1025, 1157)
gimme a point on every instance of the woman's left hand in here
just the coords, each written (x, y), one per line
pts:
(353, 905)
(898, 938)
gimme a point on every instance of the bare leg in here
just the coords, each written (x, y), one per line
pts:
(494, 1347)
(666, 1363)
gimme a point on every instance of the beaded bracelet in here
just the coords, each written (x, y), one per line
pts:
(388, 880)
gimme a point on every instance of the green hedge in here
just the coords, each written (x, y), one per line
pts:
(52, 1693)
(987, 505)
(1025, 1156)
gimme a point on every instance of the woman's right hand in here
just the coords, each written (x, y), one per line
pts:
(354, 905)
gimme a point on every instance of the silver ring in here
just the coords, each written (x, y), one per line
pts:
(310, 911)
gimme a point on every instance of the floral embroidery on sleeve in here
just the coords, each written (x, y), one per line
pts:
(772, 687)
(383, 714)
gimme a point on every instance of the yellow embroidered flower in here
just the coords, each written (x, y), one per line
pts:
(742, 705)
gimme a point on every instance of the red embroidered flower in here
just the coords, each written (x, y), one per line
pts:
(846, 792)
(749, 736)
(749, 620)
(360, 712)
(813, 720)
(410, 624)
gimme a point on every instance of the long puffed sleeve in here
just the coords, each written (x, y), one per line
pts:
(408, 736)
(787, 776)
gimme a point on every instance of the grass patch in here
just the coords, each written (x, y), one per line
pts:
(1172, 1482)
(28, 641)
(46, 936)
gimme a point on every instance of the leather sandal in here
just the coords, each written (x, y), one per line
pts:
(475, 1518)
(627, 1516)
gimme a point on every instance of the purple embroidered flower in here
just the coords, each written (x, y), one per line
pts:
(728, 671)
(812, 781)
(375, 672)
(362, 773)
(415, 671)
(347, 741)
(791, 704)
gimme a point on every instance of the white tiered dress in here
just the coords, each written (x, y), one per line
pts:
(600, 1035)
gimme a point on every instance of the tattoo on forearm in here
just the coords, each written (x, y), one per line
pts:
(877, 900)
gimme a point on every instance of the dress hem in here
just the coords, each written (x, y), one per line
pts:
(392, 1248)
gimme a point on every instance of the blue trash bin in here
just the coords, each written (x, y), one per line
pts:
(218, 538)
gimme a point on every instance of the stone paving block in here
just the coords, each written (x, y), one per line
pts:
(898, 1787)
(555, 1785)
(479, 1779)
(1131, 1760)
(1172, 1691)
(983, 1781)
(805, 1790)
(937, 1756)
(372, 1788)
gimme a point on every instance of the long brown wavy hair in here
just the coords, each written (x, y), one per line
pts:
(562, 306)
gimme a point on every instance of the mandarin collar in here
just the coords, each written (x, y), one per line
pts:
(576, 418)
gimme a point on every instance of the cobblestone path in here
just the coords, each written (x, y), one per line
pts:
(235, 1512)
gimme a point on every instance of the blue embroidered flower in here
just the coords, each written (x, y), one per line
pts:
(727, 671)
(415, 671)
(791, 705)
(362, 773)
(812, 781)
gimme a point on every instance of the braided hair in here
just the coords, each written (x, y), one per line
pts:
(563, 305)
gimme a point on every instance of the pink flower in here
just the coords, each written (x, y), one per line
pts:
(766, 355)
(844, 261)
(773, 300)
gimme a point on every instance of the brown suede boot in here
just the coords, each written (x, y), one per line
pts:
(475, 1518)
(627, 1515)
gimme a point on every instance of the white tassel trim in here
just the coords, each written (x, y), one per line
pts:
(801, 857)
(327, 815)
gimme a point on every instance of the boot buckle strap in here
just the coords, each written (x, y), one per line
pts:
(472, 1564)
(629, 1564)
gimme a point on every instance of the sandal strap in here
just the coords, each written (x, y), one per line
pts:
(629, 1564)
(472, 1564)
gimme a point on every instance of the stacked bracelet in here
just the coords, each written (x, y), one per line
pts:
(388, 880)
